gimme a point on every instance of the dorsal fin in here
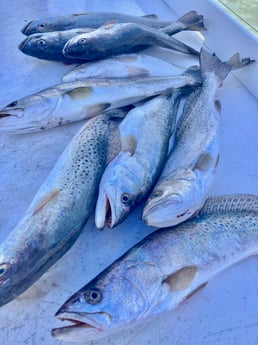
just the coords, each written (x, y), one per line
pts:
(230, 203)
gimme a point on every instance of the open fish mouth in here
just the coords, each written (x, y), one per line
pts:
(105, 212)
(12, 112)
(84, 323)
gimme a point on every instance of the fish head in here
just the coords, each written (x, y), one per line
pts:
(81, 47)
(43, 46)
(174, 201)
(117, 193)
(49, 24)
(113, 205)
(18, 114)
(120, 296)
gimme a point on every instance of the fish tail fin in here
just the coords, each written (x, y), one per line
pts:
(236, 63)
(211, 63)
(230, 203)
(192, 21)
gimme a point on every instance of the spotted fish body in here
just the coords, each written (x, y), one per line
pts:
(58, 212)
(163, 270)
(144, 135)
(190, 169)
(78, 100)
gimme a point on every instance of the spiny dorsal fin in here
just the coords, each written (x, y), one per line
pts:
(47, 198)
(110, 24)
(230, 203)
(150, 16)
(182, 278)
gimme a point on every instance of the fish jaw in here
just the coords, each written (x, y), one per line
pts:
(84, 325)
(109, 210)
(163, 214)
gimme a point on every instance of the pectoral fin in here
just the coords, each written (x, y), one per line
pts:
(128, 144)
(182, 278)
(46, 199)
(204, 162)
(79, 92)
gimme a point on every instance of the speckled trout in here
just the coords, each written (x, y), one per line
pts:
(190, 169)
(129, 177)
(59, 210)
(78, 100)
(164, 269)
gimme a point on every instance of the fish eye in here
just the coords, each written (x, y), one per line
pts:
(13, 104)
(93, 296)
(125, 198)
(42, 25)
(82, 40)
(3, 269)
(41, 42)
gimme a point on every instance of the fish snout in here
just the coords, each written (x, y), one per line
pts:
(26, 29)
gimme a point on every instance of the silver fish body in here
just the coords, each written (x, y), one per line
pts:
(190, 169)
(78, 100)
(58, 212)
(90, 19)
(115, 39)
(124, 66)
(163, 270)
(144, 135)
(49, 45)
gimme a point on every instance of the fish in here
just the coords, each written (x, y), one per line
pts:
(124, 66)
(79, 100)
(119, 38)
(190, 170)
(60, 208)
(166, 268)
(96, 19)
(49, 45)
(144, 136)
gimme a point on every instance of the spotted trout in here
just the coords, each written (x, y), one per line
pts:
(190, 169)
(163, 270)
(144, 135)
(59, 210)
(79, 100)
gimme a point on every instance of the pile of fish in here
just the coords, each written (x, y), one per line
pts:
(135, 145)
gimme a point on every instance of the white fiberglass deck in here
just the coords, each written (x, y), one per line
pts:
(225, 312)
